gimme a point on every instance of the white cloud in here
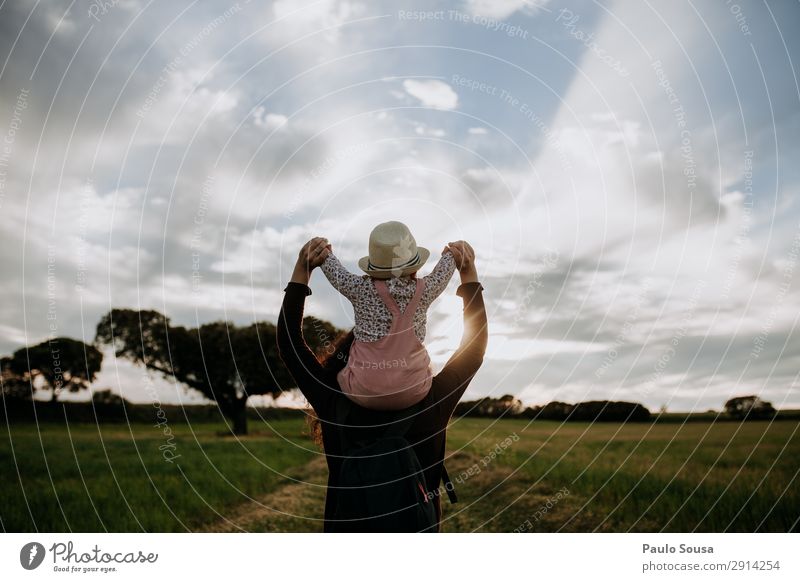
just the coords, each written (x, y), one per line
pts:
(432, 93)
(187, 102)
(268, 121)
(501, 9)
(302, 17)
(423, 129)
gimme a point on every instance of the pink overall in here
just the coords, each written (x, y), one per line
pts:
(394, 372)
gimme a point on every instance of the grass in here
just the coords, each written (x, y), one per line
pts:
(632, 477)
(114, 477)
(548, 476)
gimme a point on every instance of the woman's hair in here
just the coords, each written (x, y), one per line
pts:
(335, 356)
(333, 359)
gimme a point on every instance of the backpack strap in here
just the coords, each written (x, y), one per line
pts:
(448, 485)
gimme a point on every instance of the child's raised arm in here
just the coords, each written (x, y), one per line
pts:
(437, 280)
(345, 282)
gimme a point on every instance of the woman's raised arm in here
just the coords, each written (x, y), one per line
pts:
(464, 363)
(300, 360)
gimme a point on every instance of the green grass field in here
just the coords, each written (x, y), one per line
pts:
(510, 475)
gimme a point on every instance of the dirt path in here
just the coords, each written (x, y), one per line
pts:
(491, 499)
(294, 507)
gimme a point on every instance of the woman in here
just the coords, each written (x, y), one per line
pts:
(317, 380)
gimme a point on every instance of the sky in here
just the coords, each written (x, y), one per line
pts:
(626, 172)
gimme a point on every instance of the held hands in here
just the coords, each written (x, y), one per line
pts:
(464, 256)
(311, 256)
(314, 253)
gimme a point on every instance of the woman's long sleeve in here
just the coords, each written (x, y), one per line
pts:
(290, 319)
(476, 329)
(464, 363)
(299, 359)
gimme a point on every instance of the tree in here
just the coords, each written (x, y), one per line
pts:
(555, 410)
(749, 407)
(610, 411)
(224, 362)
(506, 405)
(107, 397)
(11, 384)
(592, 411)
(57, 365)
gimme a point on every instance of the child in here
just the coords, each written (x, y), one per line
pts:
(388, 367)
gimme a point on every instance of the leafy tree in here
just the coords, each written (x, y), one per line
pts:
(506, 405)
(752, 407)
(554, 410)
(107, 397)
(57, 365)
(11, 384)
(224, 362)
(609, 411)
(593, 411)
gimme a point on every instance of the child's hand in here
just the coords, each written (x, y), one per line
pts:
(465, 260)
(314, 253)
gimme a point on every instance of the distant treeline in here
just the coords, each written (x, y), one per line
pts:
(738, 408)
(108, 407)
(595, 410)
(119, 412)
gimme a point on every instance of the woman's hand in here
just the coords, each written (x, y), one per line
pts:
(311, 256)
(465, 260)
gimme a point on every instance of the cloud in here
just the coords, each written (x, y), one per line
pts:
(433, 93)
(298, 18)
(501, 9)
(268, 121)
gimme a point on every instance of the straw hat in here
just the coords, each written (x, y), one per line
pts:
(393, 252)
